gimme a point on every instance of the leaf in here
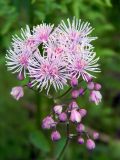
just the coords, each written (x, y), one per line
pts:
(38, 139)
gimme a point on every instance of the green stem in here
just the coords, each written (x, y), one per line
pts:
(66, 143)
(69, 89)
(38, 109)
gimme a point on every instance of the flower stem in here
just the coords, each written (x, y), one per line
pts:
(69, 89)
(66, 143)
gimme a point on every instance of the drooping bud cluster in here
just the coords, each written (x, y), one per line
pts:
(71, 114)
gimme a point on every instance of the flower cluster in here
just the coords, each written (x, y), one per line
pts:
(53, 58)
(66, 52)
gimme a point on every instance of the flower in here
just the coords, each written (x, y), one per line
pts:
(80, 140)
(95, 96)
(90, 85)
(74, 82)
(77, 34)
(63, 117)
(48, 71)
(90, 144)
(17, 92)
(80, 128)
(75, 116)
(98, 86)
(55, 136)
(48, 123)
(42, 32)
(20, 52)
(95, 135)
(82, 112)
(81, 65)
(57, 109)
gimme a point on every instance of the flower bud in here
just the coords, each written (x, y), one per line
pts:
(80, 128)
(17, 92)
(74, 82)
(90, 144)
(55, 136)
(88, 78)
(57, 109)
(83, 112)
(29, 85)
(95, 135)
(95, 96)
(20, 76)
(81, 91)
(75, 94)
(73, 105)
(80, 140)
(90, 85)
(63, 117)
(48, 123)
(97, 86)
(75, 116)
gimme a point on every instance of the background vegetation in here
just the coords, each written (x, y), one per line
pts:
(20, 135)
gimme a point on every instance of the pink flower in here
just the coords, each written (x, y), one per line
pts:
(55, 136)
(48, 71)
(48, 123)
(81, 64)
(42, 32)
(57, 109)
(90, 144)
(75, 116)
(17, 92)
(95, 96)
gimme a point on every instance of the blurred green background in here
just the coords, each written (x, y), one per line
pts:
(21, 137)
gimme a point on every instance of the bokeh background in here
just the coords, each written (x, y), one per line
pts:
(21, 136)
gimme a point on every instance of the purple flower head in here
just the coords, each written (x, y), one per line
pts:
(17, 92)
(95, 135)
(81, 91)
(55, 136)
(90, 144)
(75, 94)
(74, 82)
(42, 32)
(48, 123)
(95, 96)
(63, 117)
(73, 105)
(57, 109)
(75, 116)
(80, 140)
(80, 128)
(47, 72)
(83, 112)
(98, 86)
(90, 85)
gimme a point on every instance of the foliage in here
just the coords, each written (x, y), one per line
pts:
(20, 135)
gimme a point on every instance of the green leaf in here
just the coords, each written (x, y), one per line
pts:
(38, 139)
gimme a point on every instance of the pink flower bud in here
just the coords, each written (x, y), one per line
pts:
(81, 91)
(88, 78)
(90, 144)
(57, 109)
(75, 94)
(17, 92)
(90, 85)
(29, 85)
(98, 86)
(73, 105)
(63, 117)
(74, 82)
(80, 128)
(80, 140)
(48, 123)
(83, 112)
(75, 116)
(55, 136)
(95, 135)
(95, 96)
(20, 76)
